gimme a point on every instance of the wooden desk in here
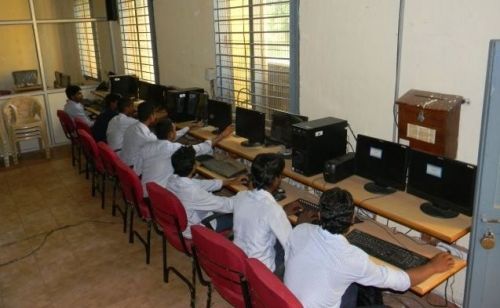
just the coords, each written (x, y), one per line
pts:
(400, 207)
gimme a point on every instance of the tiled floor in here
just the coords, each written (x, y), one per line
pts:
(58, 248)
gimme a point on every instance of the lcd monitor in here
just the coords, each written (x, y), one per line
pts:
(219, 114)
(251, 124)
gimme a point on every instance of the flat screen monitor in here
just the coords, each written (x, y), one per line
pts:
(383, 162)
(125, 85)
(153, 93)
(281, 126)
(219, 114)
(447, 184)
(251, 124)
(144, 89)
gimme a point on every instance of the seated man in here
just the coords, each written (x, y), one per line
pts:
(154, 159)
(73, 106)
(195, 194)
(258, 219)
(138, 134)
(119, 124)
(101, 122)
(321, 263)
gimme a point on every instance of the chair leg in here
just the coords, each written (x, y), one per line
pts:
(148, 243)
(103, 189)
(131, 226)
(93, 174)
(193, 278)
(113, 204)
(73, 158)
(209, 295)
(164, 247)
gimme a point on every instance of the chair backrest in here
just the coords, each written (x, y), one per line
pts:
(81, 124)
(90, 149)
(224, 263)
(108, 157)
(23, 109)
(170, 215)
(67, 125)
(266, 290)
(132, 189)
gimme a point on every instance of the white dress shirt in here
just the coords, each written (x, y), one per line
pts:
(135, 137)
(116, 129)
(197, 199)
(181, 132)
(154, 160)
(321, 265)
(257, 222)
(75, 110)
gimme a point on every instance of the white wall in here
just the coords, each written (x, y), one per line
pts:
(185, 41)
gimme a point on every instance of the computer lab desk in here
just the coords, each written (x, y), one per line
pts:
(399, 207)
(369, 226)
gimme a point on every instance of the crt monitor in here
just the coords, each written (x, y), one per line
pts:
(154, 93)
(125, 85)
(447, 184)
(219, 114)
(251, 124)
(383, 162)
(281, 126)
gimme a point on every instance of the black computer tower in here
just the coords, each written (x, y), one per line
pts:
(317, 141)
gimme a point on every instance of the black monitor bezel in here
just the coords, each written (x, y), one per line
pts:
(225, 109)
(372, 174)
(290, 117)
(258, 125)
(440, 201)
(132, 88)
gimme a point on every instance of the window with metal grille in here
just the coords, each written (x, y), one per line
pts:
(85, 36)
(256, 53)
(137, 43)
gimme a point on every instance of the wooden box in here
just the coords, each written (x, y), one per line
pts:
(429, 121)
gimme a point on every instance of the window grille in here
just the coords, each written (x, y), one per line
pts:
(85, 35)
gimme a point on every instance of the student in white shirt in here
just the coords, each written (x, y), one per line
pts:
(196, 194)
(322, 264)
(138, 134)
(74, 107)
(154, 159)
(259, 221)
(120, 123)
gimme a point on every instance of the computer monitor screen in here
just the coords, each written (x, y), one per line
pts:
(219, 114)
(383, 162)
(251, 124)
(192, 101)
(144, 89)
(281, 126)
(125, 85)
(447, 184)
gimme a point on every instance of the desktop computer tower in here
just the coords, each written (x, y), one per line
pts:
(317, 141)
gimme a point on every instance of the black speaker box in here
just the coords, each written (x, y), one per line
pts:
(111, 10)
(339, 168)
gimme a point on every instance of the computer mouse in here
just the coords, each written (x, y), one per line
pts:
(280, 190)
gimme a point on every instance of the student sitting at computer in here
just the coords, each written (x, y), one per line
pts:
(259, 221)
(321, 264)
(196, 194)
(74, 107)
(119, 124)
(154, 159)
(102, 121)
(138, 134)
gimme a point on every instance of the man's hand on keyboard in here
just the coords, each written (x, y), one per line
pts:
(240, 180)
(225, 133)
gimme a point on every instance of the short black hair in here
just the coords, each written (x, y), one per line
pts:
(163, 128)
(111, 97)
(72, 90)
(336, 208)
(183, 160)
(124, 103)
(265, 168)
(144, 111)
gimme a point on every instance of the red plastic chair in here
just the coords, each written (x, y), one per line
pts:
(94, 162)
(169, 214)
(134, 204)
(109, 159)
(81, 124)
(224, 263)
(69, 129)
(266, 290)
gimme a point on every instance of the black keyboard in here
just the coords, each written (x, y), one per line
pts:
(204, 157)
(226, 167)
(308, 205)
(388, 252)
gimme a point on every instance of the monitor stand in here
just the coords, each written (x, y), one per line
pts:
(434, 211)
(249, 144)
(375, 188)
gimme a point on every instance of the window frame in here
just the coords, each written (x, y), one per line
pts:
(84, 47)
